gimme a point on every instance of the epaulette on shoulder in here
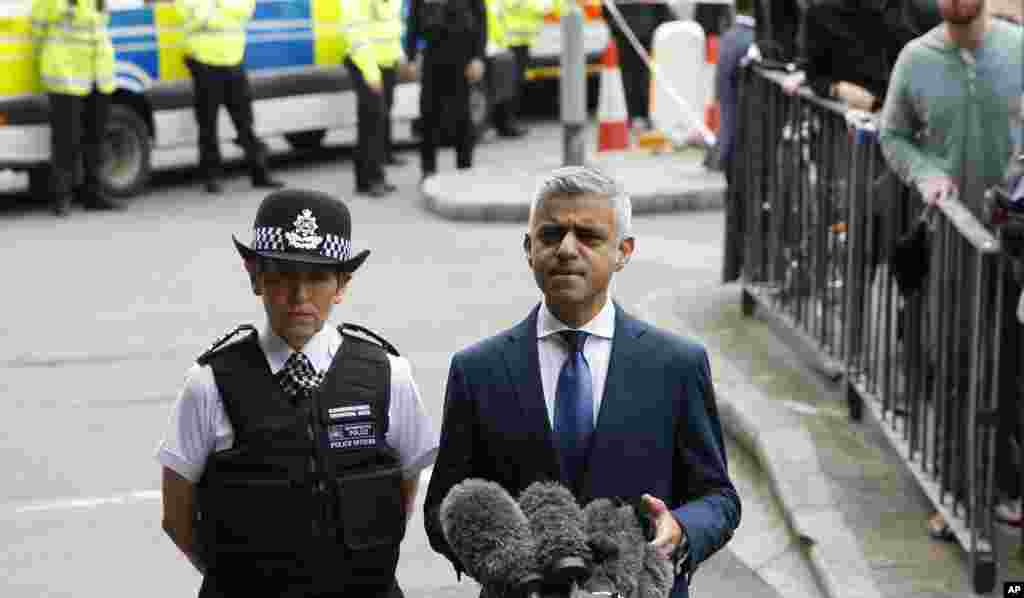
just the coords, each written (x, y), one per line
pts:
(224, 341)
(366, 334)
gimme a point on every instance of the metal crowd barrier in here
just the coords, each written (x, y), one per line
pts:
(820, 214)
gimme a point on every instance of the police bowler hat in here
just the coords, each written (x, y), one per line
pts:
(306, 227)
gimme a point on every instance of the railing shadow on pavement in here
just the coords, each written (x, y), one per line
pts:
(819, 215)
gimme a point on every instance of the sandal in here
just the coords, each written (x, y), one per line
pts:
(938, 529)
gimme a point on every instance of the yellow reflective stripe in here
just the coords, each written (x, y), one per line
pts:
(55, 81)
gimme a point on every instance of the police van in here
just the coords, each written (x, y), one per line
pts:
(546, 51)
(293, 57)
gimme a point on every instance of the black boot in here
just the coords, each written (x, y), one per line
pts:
(261, 179)
(61, 205)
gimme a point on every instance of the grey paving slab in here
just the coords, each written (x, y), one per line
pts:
(497, 189)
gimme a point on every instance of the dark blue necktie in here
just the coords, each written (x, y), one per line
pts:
(574, 408)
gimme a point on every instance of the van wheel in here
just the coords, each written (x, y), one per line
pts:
(306, 140)
(125, 167)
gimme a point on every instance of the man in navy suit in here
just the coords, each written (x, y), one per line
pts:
(583, 393)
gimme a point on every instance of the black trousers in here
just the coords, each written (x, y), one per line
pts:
(76, 133)
(228, 86)
(507, 113)
(642, 19)
(373, 129)
(444, 92)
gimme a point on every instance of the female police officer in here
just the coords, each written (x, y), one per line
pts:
(291, 462)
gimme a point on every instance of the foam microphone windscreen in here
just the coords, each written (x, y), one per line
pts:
(617, 541)
(490, 534)
(556, 521)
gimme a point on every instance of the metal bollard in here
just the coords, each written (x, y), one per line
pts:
(573, 86)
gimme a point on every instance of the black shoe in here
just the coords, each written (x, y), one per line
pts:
(213, 187)
(266, 182)
(512, 131)
(396, 161)
(378, 190)
(61, 207)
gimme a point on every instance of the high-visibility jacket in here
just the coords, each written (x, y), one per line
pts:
(371, 35)
(215, 29)
(73, 47)
(523, 20)
(495, 25)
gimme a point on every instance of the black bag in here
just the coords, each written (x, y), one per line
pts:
(911, 255)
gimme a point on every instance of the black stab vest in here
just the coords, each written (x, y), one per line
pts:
(278, 511)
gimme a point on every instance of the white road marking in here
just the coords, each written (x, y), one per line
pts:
(91, 502)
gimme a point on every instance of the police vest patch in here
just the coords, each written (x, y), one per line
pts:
(352, 436)
(336, 413)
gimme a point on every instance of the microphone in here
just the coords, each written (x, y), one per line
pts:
(624, 563)
(556, 521)
(490, 535)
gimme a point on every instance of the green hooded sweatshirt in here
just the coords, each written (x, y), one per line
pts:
(956, 113)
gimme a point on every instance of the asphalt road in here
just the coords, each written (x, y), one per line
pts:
(104, 312)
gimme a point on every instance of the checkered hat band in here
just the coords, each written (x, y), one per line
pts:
(272, 238)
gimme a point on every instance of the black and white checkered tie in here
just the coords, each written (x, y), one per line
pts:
(298, 378)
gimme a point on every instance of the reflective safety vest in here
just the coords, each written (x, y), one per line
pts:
(215, 29)
(73, 46)
(495, 26)
(524, 19)
(309, 495)
(371, 34)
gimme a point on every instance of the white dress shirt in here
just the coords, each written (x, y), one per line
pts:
(553, 351)
(199, 426)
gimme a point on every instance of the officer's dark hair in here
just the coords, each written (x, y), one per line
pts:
(257, 265)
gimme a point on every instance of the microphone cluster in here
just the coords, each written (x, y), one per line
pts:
(546, 546)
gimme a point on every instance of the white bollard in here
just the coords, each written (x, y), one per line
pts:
(679, 54)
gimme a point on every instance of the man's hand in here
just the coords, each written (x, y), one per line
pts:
(936, 189)
(667, 532)
(855, 96)
(475, 70)
(408, 71)
(375, 86)
(792, 83)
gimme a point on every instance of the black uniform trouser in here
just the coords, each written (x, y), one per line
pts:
(507, 112)
(642, 19)
(444, 91)
(76, 133)
(373, 136)
(228, 86)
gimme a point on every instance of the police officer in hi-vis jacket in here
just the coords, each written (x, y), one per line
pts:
(75, 59)
(215, 48)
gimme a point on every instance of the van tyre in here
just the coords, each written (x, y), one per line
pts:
(306, 140)
(125, 168)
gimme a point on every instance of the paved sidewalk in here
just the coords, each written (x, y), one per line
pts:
(503, 179)
(842, 488)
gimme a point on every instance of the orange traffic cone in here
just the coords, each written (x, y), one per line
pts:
(712, 112)
(612, 116)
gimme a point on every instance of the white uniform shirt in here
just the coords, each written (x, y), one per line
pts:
(552, 351)
(199, 426)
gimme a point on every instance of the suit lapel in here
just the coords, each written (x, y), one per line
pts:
(523, 363)
(615, 399)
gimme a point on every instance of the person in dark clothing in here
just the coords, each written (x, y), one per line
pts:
(454, 33)
(642, 17)
(734, 46)
(851, 47)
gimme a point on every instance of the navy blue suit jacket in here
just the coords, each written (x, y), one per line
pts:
(657, 431)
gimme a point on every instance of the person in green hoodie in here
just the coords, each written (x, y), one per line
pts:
(952, 113)
(950, 123)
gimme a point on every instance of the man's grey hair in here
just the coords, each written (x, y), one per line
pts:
(587, 180)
